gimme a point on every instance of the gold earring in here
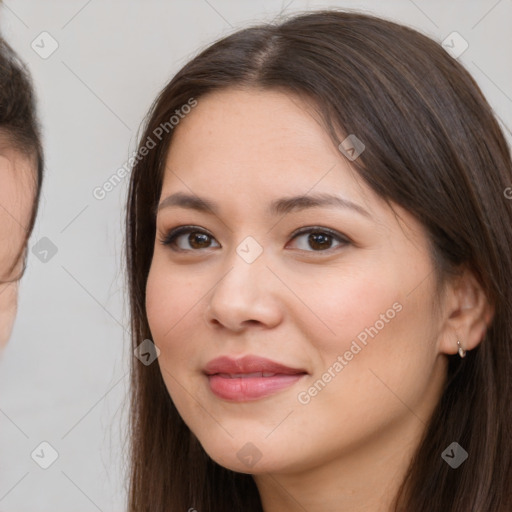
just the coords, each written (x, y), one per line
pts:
(462, 352)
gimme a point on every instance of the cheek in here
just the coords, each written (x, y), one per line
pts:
(172, 309)
(369, 302)
(346, 306)
(383, 335)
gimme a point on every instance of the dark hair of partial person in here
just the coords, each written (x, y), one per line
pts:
(432, 146)
(19, 125)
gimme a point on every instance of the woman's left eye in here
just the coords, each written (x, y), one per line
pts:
(320, 239)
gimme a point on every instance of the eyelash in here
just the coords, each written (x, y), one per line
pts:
(170, 238)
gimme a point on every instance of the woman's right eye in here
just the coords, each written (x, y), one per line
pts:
(197, 239)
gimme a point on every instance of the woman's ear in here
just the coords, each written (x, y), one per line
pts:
(466, 316)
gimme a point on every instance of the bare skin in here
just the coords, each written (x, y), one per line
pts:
(16, 203)
(348, 446)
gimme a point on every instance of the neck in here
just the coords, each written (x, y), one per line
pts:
(364, 478)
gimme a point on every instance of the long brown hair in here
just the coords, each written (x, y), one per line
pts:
(434, 147)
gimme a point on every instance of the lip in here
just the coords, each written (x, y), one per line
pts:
(243, 379)
(248, 364)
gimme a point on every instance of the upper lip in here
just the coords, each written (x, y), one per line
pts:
(248, 364)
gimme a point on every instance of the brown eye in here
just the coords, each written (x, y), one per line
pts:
(320, 239)
(197, 239)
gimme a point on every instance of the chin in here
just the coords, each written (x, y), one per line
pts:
(250, 457)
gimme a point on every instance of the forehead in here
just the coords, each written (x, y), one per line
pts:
(245, 145)
(241, 119)
(241, 137)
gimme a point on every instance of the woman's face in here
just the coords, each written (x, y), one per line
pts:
(350, 306)
(16, 203)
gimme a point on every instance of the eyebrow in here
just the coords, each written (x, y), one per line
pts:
(277, 207)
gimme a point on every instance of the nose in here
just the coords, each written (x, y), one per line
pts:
(245, 294)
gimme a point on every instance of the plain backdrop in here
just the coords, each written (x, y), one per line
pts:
(64, 374)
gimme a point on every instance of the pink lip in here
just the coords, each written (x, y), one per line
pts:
(223, 384)
(248, 364)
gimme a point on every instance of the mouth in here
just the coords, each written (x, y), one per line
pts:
(247, 375)
(248, 387)
(249, 378)
(248, 365)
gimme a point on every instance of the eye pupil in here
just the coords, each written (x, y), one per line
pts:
(193, 237)
(319, 240)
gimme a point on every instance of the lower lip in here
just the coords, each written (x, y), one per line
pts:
(243, 389)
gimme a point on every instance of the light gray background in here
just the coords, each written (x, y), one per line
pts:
(63, 377)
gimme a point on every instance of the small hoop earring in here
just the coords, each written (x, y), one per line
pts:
(462, 352)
